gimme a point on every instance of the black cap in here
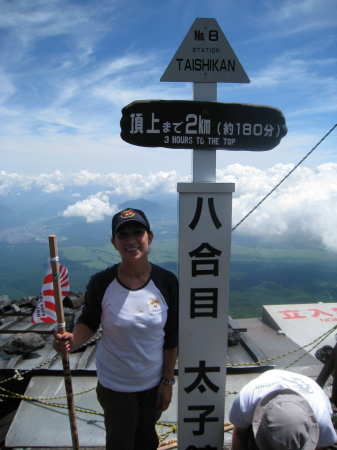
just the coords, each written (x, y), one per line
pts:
(129, 215)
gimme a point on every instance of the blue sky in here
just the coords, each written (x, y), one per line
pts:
(68, 67)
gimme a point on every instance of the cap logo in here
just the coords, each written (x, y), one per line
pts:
(127, 214)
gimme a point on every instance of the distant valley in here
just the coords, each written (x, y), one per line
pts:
(262, 272)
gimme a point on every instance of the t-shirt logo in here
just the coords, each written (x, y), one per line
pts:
(154, 305)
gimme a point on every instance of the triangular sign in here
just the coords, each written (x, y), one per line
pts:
(205, 56)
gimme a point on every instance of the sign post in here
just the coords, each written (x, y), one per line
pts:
(205, 57)
(204, 252)
(205, 212)
(204, 160)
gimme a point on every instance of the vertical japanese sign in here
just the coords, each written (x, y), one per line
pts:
(205, 213)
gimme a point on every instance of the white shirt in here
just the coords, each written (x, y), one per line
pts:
(130, 352)
(242, 411)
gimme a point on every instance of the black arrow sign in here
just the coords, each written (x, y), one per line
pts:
(209, 125)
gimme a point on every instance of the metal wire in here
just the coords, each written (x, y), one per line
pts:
(284, 178)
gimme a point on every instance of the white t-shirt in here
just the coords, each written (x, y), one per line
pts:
(130, 352)
(242, 411)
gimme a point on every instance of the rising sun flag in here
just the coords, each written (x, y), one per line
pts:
(45, 310)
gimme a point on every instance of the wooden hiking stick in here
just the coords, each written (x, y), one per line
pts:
(61, 328)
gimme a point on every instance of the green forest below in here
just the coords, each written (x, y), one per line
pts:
(258, 276)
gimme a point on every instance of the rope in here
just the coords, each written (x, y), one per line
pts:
(284, 178)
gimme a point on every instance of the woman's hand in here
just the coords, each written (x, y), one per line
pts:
(164, 396)
(63, 342)
(67, 342)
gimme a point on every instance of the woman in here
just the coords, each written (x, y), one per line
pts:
(135, 302)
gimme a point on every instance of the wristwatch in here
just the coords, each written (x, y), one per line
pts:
(168, 381)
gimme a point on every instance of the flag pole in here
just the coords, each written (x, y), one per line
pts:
(61, 328)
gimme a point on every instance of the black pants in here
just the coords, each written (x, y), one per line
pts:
(251, 440)
(130, 418)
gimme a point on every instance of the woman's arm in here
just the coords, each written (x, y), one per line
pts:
(165, 388)
(170, 358)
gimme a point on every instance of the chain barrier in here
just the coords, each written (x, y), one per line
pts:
(283, 355)
(40, 399)
(319, 341)
(19, 375)
(314, 344)
(172, 428)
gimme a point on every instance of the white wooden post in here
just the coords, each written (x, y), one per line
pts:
(205, 57)
(204, 160)
(204, 254)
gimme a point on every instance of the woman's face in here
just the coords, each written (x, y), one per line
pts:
(132, 241)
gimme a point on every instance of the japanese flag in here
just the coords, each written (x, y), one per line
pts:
(45, 310)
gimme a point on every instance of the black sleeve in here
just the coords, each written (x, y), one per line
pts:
(92, 307)
(167, 283)
(171, 326)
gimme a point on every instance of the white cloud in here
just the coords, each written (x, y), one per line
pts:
(307, 8)
(298, 74)
(6, 87)
(305, 204)
(97, 206)
(112, 67)
(120, 91)
(56, 17)
(302, 15)
(48, 183)
(93, 208)
(291, 69)
(132, 185)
